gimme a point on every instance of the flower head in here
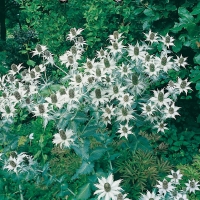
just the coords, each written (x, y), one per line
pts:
(108, 188)
(192, 186)
(64, 138)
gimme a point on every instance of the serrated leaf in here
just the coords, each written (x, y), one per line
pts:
(84, 192)
(80, 117)
(97, 153)
(89, 131)
(85, 168)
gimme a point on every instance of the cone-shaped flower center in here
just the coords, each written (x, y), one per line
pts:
(124, 129)
(148, 108)
(174, 193)
(175, 175)
(171, 110)
(62, 135)
(167, 39)
(108, 110)
(4, 95)
(38, 48)
(115, 45)
(152, 67)
(108, 79)
(7, 108)
(62, 91)
(106, 62)
(125, 69)
(124, 112)
(183, 84)
(89, 65)
(13, 164)
(14, 67)
(90, 80)
(116, 35)
(98, 72)
(78, 79)
(164, 61)
(136, 51)
(147, 58)
(98, 93)
(47, 53)
(171, 84)
(32, 73)
(37, 68)
(74, 50)
(135, 79)
(120, 196)
(71, 93)
(101, 52)
(80, 39)
(165, 185)
(17, 95)
(13, 154)
(192, 184)
(161, 125)
(115, 89)
(26, 161)
(12, 78)
(28, 100)
(181, 60)
(41, 108)
(54, 98)
(70, 59)
(160, 96)
(24, 72)
(73, 31)
(126, 98)
(152, 36)
(107, 187)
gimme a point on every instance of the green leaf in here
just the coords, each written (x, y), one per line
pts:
(178, 143)
(185, 15)
(97, 153)
(198, 86)
(177, 47)
(196, 78)
(149, 13)
(30, 63)
(196, 10)
(197, 59)
(85, 168)
(198, 119)
(84, 192)
(138, 11)
(80, 117)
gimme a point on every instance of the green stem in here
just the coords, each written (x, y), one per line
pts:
(86, 125)
(20, 191)
(61, 69)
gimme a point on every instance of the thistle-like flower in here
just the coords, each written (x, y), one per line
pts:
(64, 138)
(107, 188)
